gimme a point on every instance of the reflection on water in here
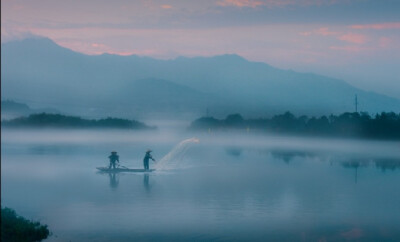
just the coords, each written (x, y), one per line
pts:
(288, 155)
(352, 162)
(355, 164)
(146, 183)
(234, 151)
(225, 189)
(387, 164)
(114, 180)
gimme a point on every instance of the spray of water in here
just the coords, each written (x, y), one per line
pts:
(175, 156)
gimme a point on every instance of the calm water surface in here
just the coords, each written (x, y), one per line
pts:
(237, 187)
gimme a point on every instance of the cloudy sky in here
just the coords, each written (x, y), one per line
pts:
(355, 40)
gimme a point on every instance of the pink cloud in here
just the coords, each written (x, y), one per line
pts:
(353, 38)
(385, 42)
(325, 32)
(273, 3)
(166, 6)
(98, 49)
(279, 2)
(306, 33)
(298, 2)
(241, 3)
(123, 53)
(394, 25)
(96, 45)
(18, 7)
(350, 48)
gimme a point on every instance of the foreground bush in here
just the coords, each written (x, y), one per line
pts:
(17, 228)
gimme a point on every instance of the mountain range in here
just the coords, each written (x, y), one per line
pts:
(37, 70)
(11, 109)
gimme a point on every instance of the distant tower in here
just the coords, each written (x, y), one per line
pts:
(356, 175)
(207, 113)
(356, 103)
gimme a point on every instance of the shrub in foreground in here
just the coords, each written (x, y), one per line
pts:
(17, 228)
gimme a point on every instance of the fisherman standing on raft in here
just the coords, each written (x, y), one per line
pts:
(146, 159)
(113, 159)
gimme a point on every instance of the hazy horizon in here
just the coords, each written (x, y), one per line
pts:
(130, 86)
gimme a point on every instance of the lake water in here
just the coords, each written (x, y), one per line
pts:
(238, 187)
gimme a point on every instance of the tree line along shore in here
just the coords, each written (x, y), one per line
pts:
(46, 120)
(385, 125)
(358, 125)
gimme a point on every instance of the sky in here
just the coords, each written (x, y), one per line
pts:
(354, 40)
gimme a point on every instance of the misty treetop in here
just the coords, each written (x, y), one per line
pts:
(359, 125)
(46, 120)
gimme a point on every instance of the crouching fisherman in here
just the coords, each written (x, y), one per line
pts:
(113, 159)
(146, 159)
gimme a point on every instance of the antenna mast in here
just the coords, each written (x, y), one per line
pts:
(356, 103)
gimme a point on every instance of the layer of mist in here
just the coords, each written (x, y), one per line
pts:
(233, 186)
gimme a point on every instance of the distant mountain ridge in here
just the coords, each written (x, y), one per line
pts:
(38, 69)
(11, 109)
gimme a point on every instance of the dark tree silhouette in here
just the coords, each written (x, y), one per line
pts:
(17, 228)
(358, 125)
(44, 120)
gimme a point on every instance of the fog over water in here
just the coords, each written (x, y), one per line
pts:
(227, 186)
